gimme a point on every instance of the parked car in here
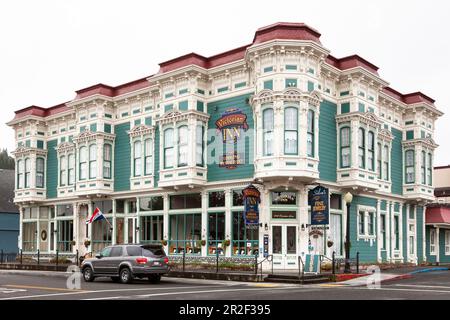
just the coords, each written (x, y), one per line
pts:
(123, 263)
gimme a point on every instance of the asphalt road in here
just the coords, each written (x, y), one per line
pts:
(31, 286)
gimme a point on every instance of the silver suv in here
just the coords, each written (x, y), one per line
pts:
(125, 262)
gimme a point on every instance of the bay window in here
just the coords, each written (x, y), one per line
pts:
(148, 154)
(27, 172)
(62, 171)
(107, 161)
(310, 134)
(83, 163)
(386, 163)
(93, 161)
(268, 126)
(168, 148)
(137, 158)
(429, 169)
(379, 161)
(20, 174)
(199, 145)
(291, 131)
(345, 147)
(40, 162)
(183, 146)
(371, 151)
(71, 170)
(361, 148)
(423, 167)
(409, 166)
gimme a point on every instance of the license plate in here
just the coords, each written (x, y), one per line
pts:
(157, 263)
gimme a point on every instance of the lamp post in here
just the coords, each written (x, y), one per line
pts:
(348, 200)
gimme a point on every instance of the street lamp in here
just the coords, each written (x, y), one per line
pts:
(348, 200)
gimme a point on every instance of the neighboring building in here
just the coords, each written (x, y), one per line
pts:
(438, 219)
(167, 156)
(9, 213)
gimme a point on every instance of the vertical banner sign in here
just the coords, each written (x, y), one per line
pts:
(320, 210)
(252, 198)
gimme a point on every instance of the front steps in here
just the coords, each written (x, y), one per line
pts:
(296, 279)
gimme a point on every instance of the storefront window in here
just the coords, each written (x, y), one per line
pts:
(151, 229)
(120, 206)
(120, 230)
(65, 236)
(245, 240)
(217, 199)
(43, 213)
(238, 198)
(336, 201)
(104, 206)
(186, 201)
(65, 210)
(185, 234)
(29, 236)
(284, 198)
(101, 235)
(151, 203)
(132, 207)
(216, 233)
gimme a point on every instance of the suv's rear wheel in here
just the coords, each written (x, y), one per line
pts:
(88, 274)
(125, 275)
(154, 278)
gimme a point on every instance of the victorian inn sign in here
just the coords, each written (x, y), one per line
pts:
(219, 155)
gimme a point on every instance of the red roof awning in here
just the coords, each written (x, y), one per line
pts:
(438, 215)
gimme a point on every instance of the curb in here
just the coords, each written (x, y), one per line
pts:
(400, 277)
(59, 274)
(430, 270)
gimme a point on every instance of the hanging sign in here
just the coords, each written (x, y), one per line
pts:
(320, 210)
(252, 198)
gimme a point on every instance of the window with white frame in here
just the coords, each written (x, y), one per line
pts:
(361, 148)
(107, 159)
(310, 134)
(361, 223)
(383, 231)
(366, 222)
(168, 148)
(379, 161)
(345, 147)
(429, 169)
(291, 131)
(422, 167)
(20, 173)
(27, 172)
(397, 232)
(200, 145)
(148, 154)
(447, 242)
(40, 164)
(386, 163)
(92, 161)
(371, 224)
(268, 127)
(409, 166)
(62, 171)
(183, 146)
(432, 242)
(137, 161)
(371, 151)
(71, 168)
(83, 163)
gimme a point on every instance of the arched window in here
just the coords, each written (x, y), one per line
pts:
(20, 173)
(168, 148)
(345, 147)
(83, 163)
(291, 131)
(137, 162)
(268, 132)
(386, 163)
(92, 161)
(409, 166)
(183, 147)
(199, 146)
(62, 171)
(371, 151)
(71, 168)
(27, 172)
(148, 161)
(310, 134)
(107, 158)
(361, 148)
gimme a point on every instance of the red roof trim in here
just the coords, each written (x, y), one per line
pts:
(350, 62)
(410, 98)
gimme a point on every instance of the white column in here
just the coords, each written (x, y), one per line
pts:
(204, 222)
(424, 237)
(388, 231)
(89, 235)
(38, 225)
(379, 235)
(408, 248)
(303, 128)
(137, 229)
(437, 246)
(303, 220)
(400, 222)
(354, 144)
(75, 228)
(228, 220)
(278, 140)
(100, 144)
(392, 234)
(166, 221)
(113, 236)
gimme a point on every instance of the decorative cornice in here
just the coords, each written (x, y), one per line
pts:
(26, 151)
(289, 94)
(176, 116)
(385, 135)
(141, 130)
(65, 147)
(368, 118)
(428, 143)
(91, 136)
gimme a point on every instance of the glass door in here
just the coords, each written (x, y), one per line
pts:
(284, 247)
(132, 230)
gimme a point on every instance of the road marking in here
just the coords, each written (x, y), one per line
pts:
(99, 291)
(331, 285)
(397, 289)
(265, 285)
(6, 290)
(42, 288)
(421, 286)
(107, 298)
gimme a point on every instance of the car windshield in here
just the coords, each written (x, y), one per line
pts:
(153, 251)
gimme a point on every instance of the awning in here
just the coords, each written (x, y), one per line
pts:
(438, 215)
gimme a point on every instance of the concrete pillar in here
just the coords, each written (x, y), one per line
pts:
(379, 235)
(75, 227)
(166, 220)
(437, 246)
(204, 222)
(400, 222)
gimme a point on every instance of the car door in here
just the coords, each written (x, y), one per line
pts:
(101, 264)
(115, 259)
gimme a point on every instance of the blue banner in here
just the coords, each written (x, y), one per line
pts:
(252, 198)
(320, 210)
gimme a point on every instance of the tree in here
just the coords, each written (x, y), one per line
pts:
(6, 162)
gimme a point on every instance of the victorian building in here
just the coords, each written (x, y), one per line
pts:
(165, 158)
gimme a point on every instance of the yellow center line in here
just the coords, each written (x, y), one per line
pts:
(42, 288)
(331, 285)
(265, 285)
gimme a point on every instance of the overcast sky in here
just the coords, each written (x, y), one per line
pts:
(50, 48)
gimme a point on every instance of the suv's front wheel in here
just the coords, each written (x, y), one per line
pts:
(88, 274)
(125, 275)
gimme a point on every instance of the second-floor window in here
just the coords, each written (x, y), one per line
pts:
(71, 168)
(107, 155)
(20, 173)
(361, 148)
(371, 151)
(83, 163)
(62, 171)
(137, 163)
(183, 147)
(40, 172)
(429, 169)
(148, 159)
(93, 161)
(310, 134)
(168, 148)
(386, 163)
(345, 147)
(268, 132)
(423, 172)
(409, 166)
(379, 161)
(27, 172)
(199, 146)
(291, 131)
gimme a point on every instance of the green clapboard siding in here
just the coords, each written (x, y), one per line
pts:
(397, 162)
(52, 169)
(420, 235)
(157, 156)
(327, 141)
(368, 253)
(245, 144)
(122, 154)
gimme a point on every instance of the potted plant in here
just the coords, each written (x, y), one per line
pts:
(226, 243)
(87, 243)
(164, 242)
(203, 242)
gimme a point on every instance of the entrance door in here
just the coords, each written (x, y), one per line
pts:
(132, 236)
(284, 247)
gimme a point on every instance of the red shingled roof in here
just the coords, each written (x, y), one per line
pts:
(350, 62)
(410, 98)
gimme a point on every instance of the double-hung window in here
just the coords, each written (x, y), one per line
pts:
(168, 148)
(20, 173)
(409, 166)
(137, 158)
(361, 225)
(429, 169)
(27, 172)
(107, 161)
(92, 161)
(432, 242)
(62, 171)
(183, 146)
(371, 224)
(379, 161)
(83, 163)
(345, 147)
(268, 126)
(310, 134)
(148, 154)
(397, 232)
(386, 163)
(71, 170)
(199, 145)
(361, 148)
(423, 167)
(291, 131)
(447, 242)
(40, 172)
(371, 151)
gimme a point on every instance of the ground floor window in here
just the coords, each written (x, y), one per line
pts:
(29, 236)
(397, 232)
(433, 242)
(65, 236)
(411, 245)
(336, 233)
(383, 231)
(151, 229)
(120, 230)
(216, 233)
(245, 240)
(101, 235)
(185, 233)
